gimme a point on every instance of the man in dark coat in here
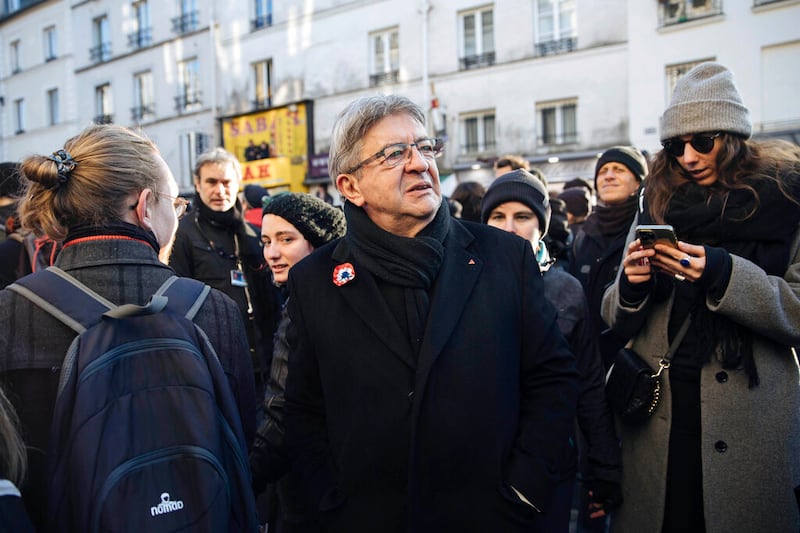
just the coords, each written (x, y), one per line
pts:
(215, 244)
(429, 388)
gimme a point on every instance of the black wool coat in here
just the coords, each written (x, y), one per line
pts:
(391, 440)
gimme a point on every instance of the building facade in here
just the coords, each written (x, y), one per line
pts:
(556, 81)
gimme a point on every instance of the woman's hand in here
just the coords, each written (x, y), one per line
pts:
(637, 263)
(686, 263)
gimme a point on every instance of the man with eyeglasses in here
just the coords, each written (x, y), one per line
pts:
(429, 388)
(215, 244)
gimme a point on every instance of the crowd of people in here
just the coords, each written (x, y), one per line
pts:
(410, 362)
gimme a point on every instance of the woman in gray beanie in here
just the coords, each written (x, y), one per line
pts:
(722, 451)
(293, 226)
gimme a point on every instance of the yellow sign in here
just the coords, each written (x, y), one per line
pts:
(272, 145)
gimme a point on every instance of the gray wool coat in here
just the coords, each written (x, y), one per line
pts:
(750, 437)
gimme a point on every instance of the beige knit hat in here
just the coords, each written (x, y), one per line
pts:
(705, 99)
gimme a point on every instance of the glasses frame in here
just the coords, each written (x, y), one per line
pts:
(438, 146)
(672, 145)
(179, 204)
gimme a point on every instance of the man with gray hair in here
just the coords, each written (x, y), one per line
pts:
(429, 388)
(215, 244)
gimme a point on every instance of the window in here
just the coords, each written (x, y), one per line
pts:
(263, 15)
(678, 11)
(673, 72)
(189, 85)
(142, 96)
(556, 30)
(477, 39)
(142, 36)
(192, 144)
(262, 74)
(558, 123)
(53, 111)
(19, 115)
(101, 51)
(14, 56)
(102, 104)
(49, 43)
(477, 132)
(385, 53)
(188, 19)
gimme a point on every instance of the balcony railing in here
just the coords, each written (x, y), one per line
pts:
(186, 22)
(100, 52)
(261, 21)
(187, 101)
(142, 111)
(261, 103)
(477, 61)
(557, 46)
(103, 119)
(672, 12)
(382, 78)
(474, 147)
(547, 139)
(140, 38)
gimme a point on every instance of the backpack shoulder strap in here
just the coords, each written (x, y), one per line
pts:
(185, 296)
(64, 297)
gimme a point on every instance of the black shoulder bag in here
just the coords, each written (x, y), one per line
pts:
(633, 388)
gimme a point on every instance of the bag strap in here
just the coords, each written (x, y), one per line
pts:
(79, 307)
(666, 359)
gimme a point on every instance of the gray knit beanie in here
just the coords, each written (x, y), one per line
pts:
(518, 186)
(318, 221)
(706, 99)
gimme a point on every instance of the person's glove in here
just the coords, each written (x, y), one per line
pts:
(605, 496)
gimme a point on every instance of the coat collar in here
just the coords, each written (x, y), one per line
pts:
(457, 276)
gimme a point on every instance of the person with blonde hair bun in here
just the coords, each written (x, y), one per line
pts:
(113, 201)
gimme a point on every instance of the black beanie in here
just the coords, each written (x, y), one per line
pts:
(577, 200)
(518, 186)
(254, 194)
(10, 184)
(627, 155)
(318, 221)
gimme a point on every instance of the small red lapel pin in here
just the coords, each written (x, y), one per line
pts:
(343, 273)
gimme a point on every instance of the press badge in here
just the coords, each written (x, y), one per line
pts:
(237, 278)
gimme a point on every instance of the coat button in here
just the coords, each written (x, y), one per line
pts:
(411, 396)
(721, 446)
(722, 377)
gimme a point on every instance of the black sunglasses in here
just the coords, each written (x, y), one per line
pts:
(702, 143)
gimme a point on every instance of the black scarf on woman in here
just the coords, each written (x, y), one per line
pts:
(759, 231)
(409, 263)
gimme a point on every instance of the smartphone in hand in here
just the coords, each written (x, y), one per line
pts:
(651, 234)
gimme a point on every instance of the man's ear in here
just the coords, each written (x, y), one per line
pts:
(143, 211)
(348, 187)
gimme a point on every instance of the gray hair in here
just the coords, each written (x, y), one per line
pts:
(355, 121)
(217, 156)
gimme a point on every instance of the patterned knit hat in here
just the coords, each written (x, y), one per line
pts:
(706, 99)
(518, 186)
(318, 221)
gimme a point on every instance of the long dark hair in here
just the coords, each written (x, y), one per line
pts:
(740, 162)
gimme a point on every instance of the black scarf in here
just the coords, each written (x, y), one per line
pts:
(609, 221)
(232, 219)
(409, 263)
(120, 228)
(704, 215)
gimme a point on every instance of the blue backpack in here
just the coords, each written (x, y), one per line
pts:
(146, 435)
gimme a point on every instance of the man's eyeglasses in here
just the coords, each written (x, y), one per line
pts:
(702, 143)
(398, 153)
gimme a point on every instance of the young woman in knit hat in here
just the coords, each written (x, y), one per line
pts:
(722, 451)
(293, 226)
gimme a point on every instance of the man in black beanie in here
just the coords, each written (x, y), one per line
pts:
(598, 247)
(9, 188)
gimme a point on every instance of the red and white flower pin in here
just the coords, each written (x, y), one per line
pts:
(343, 273)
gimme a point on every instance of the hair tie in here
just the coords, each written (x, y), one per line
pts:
(64, 164)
